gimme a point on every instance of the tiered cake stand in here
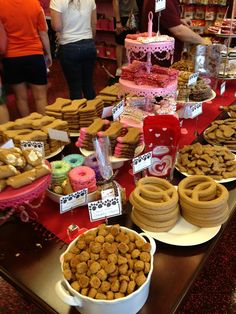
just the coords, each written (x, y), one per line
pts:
(160, 47)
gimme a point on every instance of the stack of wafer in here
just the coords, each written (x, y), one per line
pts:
(155, 204)
(203, 201)
(71, 114)
(109, 94)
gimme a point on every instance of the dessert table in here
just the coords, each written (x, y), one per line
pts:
(29, 260)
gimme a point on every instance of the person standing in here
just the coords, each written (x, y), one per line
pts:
(123, 10)
(171, 24)
(27, 47)
(4, 113)
(75, 23)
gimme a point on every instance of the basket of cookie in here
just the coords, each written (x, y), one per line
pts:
(24, 175)
(107, 270)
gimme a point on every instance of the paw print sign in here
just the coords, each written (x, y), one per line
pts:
(142, 162)
(101, 209)
(39, 146)
(73, 200)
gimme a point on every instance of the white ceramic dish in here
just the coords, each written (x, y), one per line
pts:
(130, 304)
(190, 102)
(219, 181)
(185, 234)
(56, 152)
(56, 197)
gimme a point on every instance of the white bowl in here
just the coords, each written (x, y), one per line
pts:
(130, 304)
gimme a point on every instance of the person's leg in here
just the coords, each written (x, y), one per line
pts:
(72, 69)
(21, 94)
(40, 97)
(88, 59)
(4, 114)
(119, 55)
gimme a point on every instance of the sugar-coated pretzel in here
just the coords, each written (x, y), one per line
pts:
(203, 201)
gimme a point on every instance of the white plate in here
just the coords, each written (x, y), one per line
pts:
(74, 134)
(185, 234)
(190, 102)
(219, 181)
(113, 159)
(56, 152)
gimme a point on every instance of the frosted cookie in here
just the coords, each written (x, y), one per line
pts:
(82, 177)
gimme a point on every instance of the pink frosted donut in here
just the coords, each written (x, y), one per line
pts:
(82, 177)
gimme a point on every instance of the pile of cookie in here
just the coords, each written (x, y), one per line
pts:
(217, 162)
(33, 127)
(183, 65)
(78, 113)
(20, 167)
(157, 204)
(198, 92)
(222, 132)
(107, 263)
(124, 140)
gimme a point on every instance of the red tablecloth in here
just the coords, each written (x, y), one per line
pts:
(49, 214)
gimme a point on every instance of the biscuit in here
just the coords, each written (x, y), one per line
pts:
(22, 179)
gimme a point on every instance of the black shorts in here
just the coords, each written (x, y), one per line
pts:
(29, 69)
(120, 38)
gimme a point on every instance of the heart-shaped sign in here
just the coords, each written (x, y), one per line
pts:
(161, 166)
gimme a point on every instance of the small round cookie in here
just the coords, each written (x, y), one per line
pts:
(74, 160)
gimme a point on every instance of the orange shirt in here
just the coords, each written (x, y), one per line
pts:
(22, 19)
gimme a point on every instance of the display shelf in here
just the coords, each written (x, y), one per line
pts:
(134, 47)
(129, 87)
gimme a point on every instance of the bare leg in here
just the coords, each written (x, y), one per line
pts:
(40, 97)
(21, 94)
(119, 55)
(4, 114)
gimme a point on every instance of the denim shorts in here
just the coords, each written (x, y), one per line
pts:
(31, 69)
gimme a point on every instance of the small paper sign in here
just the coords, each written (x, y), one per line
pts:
(118, 109)
(107, 112)
(101, 209)
(58, 135)
(195, 110)
(222, 87)
(142, 162)
(73, 200)
(160, 5)
(8, 144)
(107, 193)
(193, 79)
(39, 146)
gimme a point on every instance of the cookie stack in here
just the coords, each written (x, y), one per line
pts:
(90, 111)
(60, 169)
(109, 95)
(85, 139)
(71, 114)
(155, 204)
(113, 131)
(127, 144)
(203, 201)
(55, 109)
